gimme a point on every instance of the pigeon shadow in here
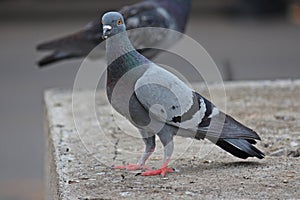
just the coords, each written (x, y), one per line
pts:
(230, 165)
(241, 163)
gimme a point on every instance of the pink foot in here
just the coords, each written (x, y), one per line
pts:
(131, 167)
(162, 171)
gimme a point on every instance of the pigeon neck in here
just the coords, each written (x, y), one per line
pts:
(121, 58)
(118, 46)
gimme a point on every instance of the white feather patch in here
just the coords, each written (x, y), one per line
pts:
(166, 15)
(108, 27)
(196, 119)
(214, 112)
(132, 22)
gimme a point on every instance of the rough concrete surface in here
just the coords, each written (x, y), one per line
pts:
(79, 157)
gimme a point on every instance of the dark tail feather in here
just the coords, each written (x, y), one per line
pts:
(241, 148)
(55, 57)
(49, 45)
(66, 42)
(233, 137)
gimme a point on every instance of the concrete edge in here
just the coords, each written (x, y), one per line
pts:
(51, 174)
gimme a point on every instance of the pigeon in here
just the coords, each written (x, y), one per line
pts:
(169, 14)
(159, 104)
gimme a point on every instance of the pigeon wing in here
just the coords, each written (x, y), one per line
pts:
(169, 99)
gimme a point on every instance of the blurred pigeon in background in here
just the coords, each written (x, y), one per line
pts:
(158, 103)
(169, 14)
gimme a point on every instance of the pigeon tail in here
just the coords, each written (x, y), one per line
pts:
(240, 148)
(225, 127)
(55, 57)
(236, 139)
(65, 42)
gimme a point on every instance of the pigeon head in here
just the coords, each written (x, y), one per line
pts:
(113, 23)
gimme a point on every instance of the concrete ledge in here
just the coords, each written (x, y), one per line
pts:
(79, 157)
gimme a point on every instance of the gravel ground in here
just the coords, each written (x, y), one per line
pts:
(79, 158)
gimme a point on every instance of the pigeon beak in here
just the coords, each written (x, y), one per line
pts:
(106, 31)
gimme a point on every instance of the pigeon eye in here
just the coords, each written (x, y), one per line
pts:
(119, 22)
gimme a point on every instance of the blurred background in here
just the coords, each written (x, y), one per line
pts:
(248, 40)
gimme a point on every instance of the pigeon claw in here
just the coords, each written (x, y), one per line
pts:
(162, 171)
(131, 167)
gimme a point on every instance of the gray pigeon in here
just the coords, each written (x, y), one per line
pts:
(158, 103)
(169, 14)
